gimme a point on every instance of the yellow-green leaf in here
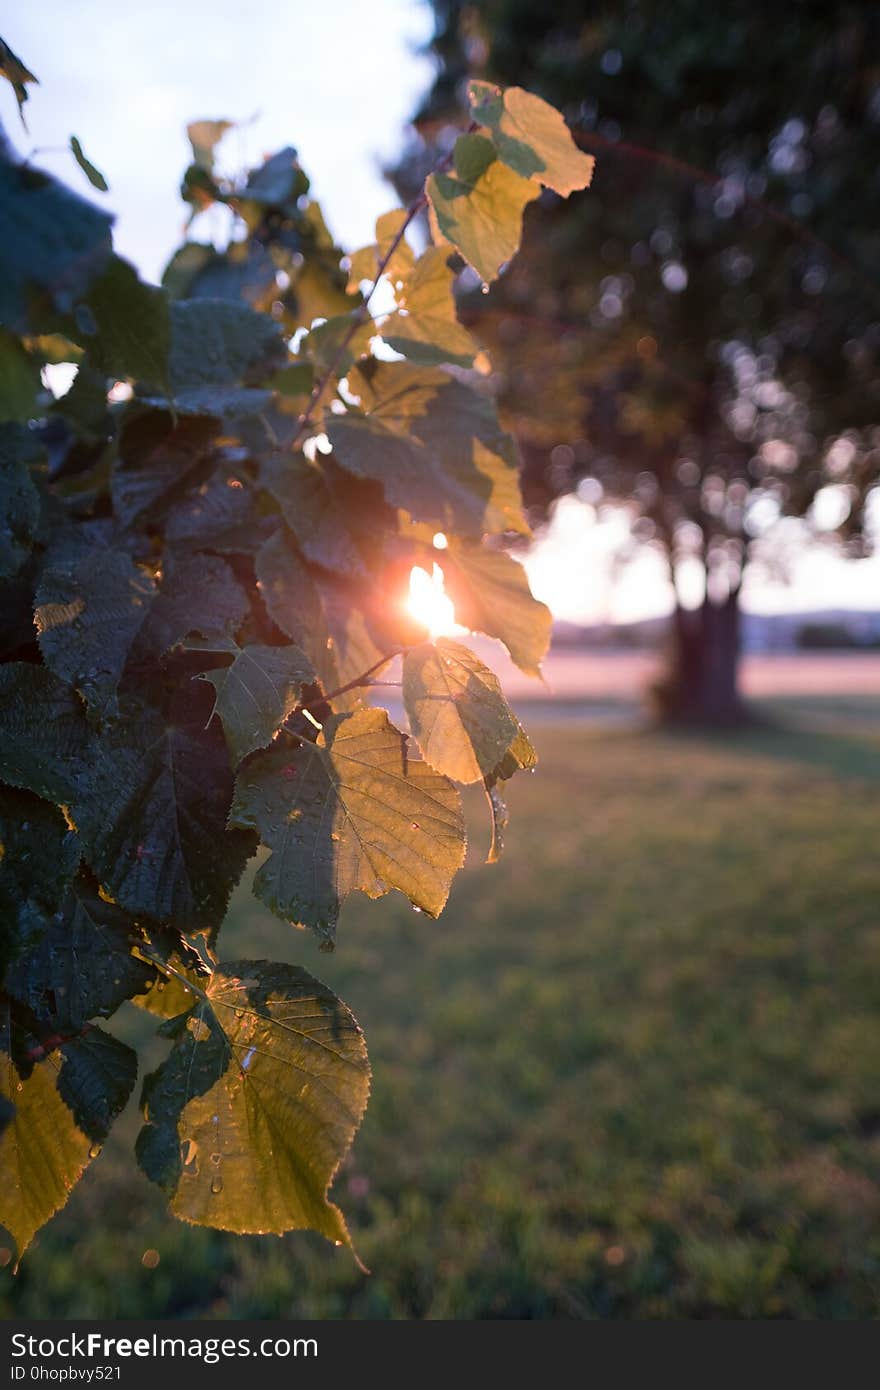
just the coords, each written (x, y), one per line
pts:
(425, 328)
(250, 1116)
(257, 692)
(531, 137)
(352, 811)
(491, 594)
(457, 711)
(65, 1102)
(479, 209)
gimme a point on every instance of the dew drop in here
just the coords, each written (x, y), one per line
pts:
(95, 1150)
(416, 909)
(484, 289)
(18, 1086)
(414, 825)
(216, 1159)
(216, 1184)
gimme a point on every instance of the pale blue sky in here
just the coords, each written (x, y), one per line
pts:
(336, 79)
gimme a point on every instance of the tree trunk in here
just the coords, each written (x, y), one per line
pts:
(700, 685)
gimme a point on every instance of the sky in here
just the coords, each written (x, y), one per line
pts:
(338, 81)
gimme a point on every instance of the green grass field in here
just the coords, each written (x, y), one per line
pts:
(632, 1071)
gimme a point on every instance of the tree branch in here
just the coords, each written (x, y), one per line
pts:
(361, 314)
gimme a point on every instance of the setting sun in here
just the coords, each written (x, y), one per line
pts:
(429, 603)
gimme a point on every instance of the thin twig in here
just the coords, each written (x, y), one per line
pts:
(361, 314)
(357, 682)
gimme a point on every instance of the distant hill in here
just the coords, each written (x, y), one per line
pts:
(762, 632)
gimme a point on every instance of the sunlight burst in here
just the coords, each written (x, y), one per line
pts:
(429, 603)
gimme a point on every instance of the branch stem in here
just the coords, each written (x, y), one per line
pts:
(361, 314)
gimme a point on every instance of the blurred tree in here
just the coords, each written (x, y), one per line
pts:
(699, 336)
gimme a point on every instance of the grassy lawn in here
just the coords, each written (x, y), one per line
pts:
(632, 1072)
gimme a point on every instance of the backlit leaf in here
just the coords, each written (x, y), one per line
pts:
(257, 692)
(531, 137)
(352, 811)
(491, 594)
(250, 1116)
(425, 329)
(457, 711)
(65, 1102)
(436, 447)
(479, 208)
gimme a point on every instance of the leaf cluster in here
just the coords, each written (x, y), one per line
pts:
(205, 549)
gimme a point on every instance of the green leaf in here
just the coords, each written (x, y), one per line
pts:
(82, 966)
(251, 1115)
(94, 176)
(19, 383)
(425, 328)
(219, 514)
(490, 593)
(531, 137)
(151, 809)
(479, 208)
(316, 515)
(228, 405)
(19, 499)
(295, 605)
(156, 457)
(204, 136)
(39, 855)
(54, 243)
(257, 692)
(197, 594)
(64, 1106)
(90, 607)
(15, 72)
(44, 737)
(352, 811)
(436, 447)
(215, 342)
(126, 325)
(457, 711)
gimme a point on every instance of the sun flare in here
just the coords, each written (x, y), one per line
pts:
(429, 603)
